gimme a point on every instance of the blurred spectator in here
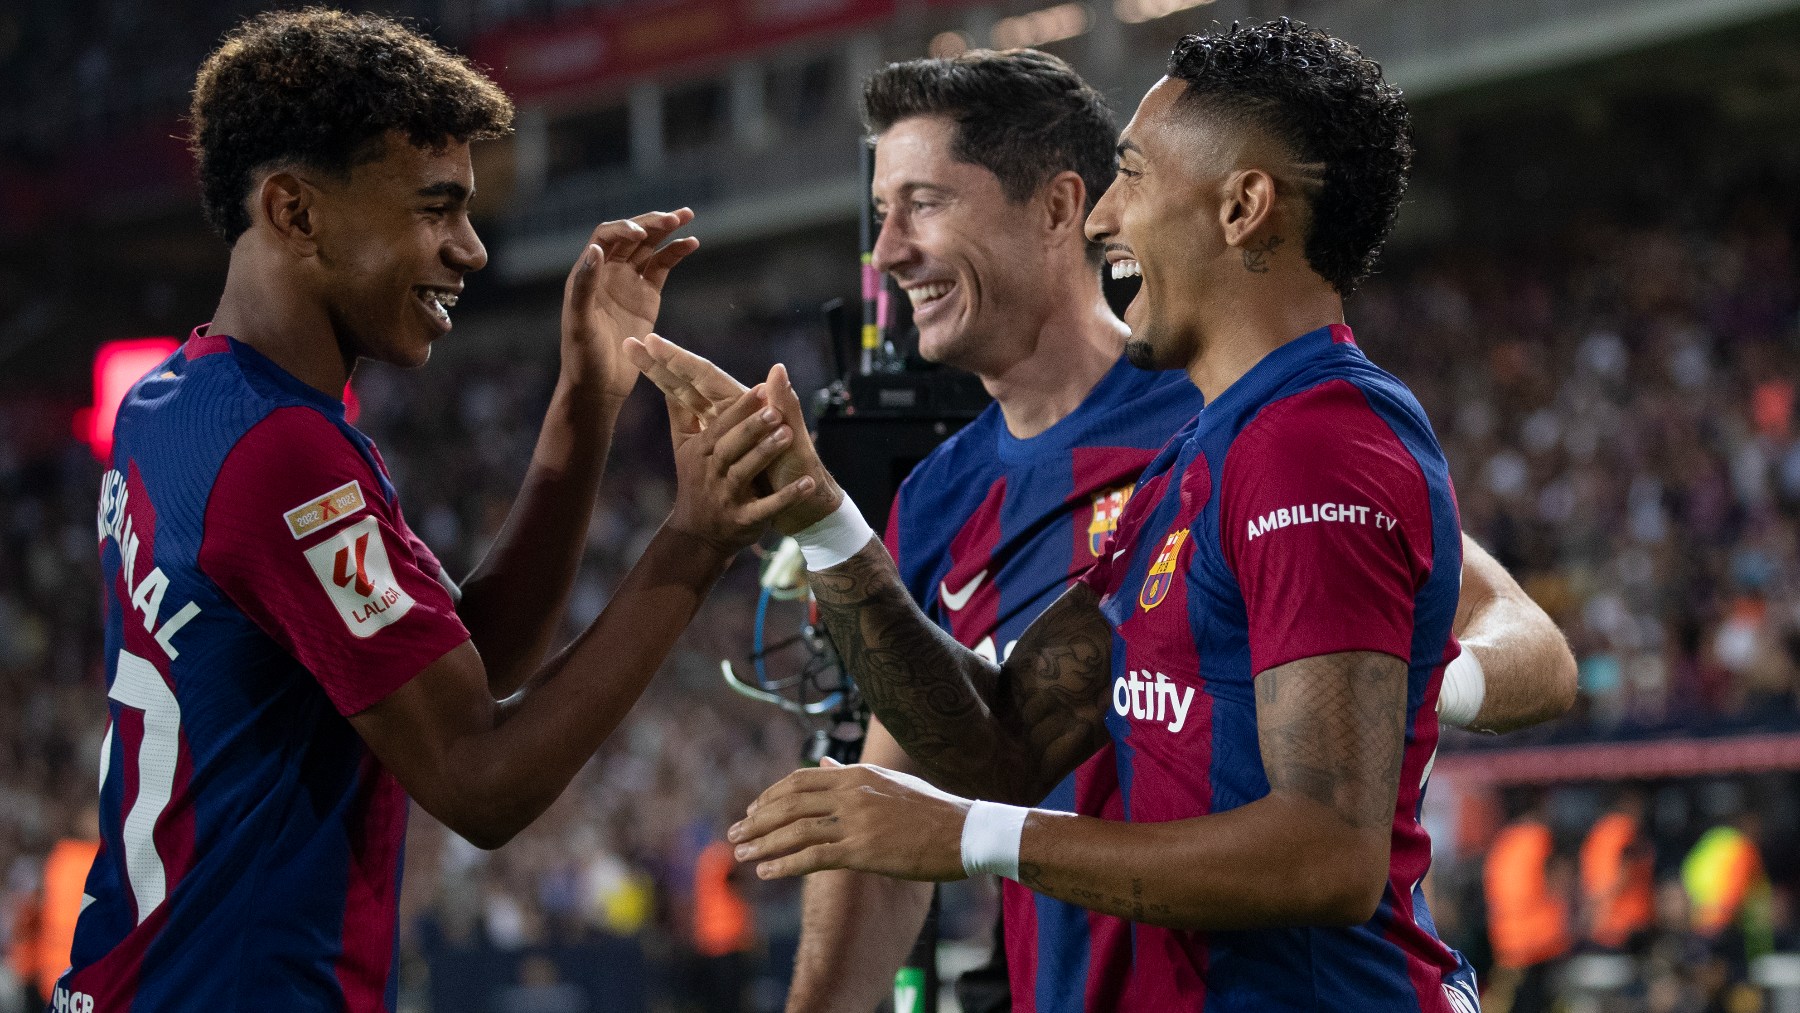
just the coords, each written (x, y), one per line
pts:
(1617, 870)
(1528, 912)
(65, 883)
(1728, 891)
(723, 932)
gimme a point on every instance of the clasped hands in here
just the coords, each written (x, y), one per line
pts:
(748, 451)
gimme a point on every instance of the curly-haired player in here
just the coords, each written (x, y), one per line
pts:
(1264, 640)
(287, 662)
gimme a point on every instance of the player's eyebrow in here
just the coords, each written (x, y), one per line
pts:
(448, 188)
(1126, 144)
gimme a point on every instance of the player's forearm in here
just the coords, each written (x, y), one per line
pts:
(1280, 861)
(1313, 851)
(1529, 671)
(514, 601)
(931, 692)
(543, 735)
(856, 929)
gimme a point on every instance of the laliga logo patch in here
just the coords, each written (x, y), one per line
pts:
(328, 509)
(1162, 572)
(353, 568)
(1108, 505)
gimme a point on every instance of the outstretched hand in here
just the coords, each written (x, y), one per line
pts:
(704, 392)
(860, 817)
(614, 291)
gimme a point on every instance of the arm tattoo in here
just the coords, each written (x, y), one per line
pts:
(1083, 892)
(1256, 255)
(1333, 729)
(998, 733)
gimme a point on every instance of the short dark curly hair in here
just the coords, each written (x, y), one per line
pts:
(1021, 114)
(315, 88)
(1329, 105)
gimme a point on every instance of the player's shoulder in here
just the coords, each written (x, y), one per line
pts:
(291, 448)
(966, 456)
(1322, 421)
(1137, 407)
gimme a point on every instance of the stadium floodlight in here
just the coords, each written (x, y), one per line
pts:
(1135, 12)
(117, 365)
(1052, 24)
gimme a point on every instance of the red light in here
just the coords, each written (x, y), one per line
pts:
(117, 365)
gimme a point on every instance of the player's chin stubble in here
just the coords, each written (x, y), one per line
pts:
(1139, 353)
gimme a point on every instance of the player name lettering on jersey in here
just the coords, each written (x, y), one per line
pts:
(115, 522)
(1149, 696)
(353, 568)
(1315, 513)
(66, 1001)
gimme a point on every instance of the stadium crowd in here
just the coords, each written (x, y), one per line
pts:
(1618, 410)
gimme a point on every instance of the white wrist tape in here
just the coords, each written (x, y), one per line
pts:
(1464, 687)
(840, 535)
(990, 839)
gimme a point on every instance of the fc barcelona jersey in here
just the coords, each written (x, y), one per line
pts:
(990, 529)
(260, 586)
(1306, 511)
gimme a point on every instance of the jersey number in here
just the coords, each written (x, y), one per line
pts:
(138, 685)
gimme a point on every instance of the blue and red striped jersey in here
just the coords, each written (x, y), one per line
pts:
(260, 586)
(1306, 511)
(990, 529)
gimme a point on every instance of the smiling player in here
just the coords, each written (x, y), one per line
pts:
(1265, 642)
(287, 662)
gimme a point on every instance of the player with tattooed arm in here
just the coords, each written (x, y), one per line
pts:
(981, 162)
(1264, 642)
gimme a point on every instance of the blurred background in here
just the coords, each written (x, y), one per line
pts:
(1594, 291)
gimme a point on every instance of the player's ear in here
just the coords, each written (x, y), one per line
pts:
(1247, 205)
(287, 203)
(1064, 200)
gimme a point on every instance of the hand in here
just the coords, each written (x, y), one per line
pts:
(865, 818)
(703, 390)
(615, 290)
(716, 499)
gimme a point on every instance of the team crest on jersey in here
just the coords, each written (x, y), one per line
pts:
(325, 511)
(1162, 572)
(1108, 505)
(353, 567)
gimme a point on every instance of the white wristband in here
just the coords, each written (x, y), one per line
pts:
(840, 535)
(990, 839)
(1464, 687)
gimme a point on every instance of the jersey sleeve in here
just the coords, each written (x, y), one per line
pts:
(300, 537)
(1326, 523)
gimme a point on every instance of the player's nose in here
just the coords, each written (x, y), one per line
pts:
(465, 250)
(1102, 222)
(893, 247)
